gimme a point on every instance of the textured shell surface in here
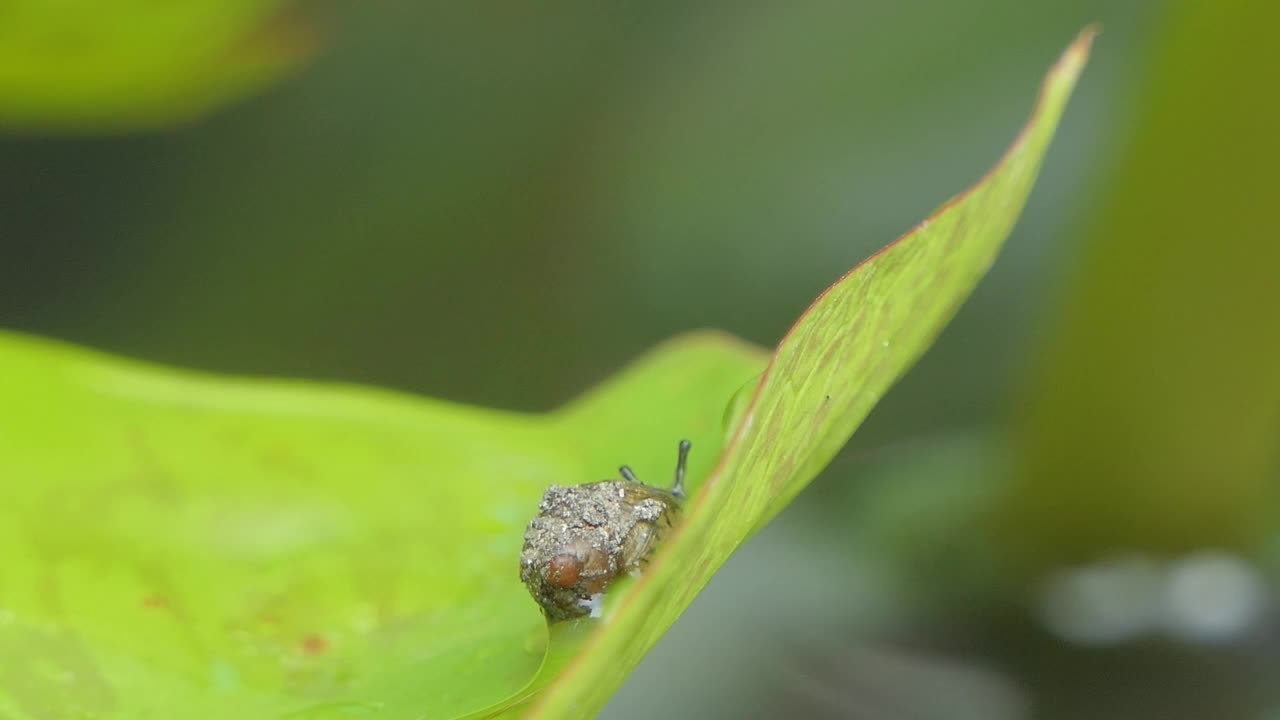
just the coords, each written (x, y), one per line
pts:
(586, 536)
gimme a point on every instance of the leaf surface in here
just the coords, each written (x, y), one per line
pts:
(260, 549)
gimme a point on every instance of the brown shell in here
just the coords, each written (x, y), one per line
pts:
(586, 536)
(563, 570)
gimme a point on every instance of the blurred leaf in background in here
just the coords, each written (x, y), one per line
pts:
(1154, 422)
(109, 65)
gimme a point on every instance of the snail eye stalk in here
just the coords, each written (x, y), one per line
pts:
(682, 461)
(628, 474)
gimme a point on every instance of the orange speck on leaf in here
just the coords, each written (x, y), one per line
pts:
(314, 644)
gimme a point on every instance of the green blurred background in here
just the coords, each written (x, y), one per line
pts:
(501, 205)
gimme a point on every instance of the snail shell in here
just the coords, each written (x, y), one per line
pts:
(586, 536)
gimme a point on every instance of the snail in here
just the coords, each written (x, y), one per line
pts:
(586, 536)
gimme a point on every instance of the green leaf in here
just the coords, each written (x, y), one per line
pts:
(843, 354)
(93, 65)
(220, 548)
(174, 544)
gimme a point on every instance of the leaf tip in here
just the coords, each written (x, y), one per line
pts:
(1077, 54)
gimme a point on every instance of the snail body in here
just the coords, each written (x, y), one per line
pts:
(586, 536)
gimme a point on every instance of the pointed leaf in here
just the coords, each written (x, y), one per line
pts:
(825, 376)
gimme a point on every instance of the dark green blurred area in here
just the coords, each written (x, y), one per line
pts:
(502, 205)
